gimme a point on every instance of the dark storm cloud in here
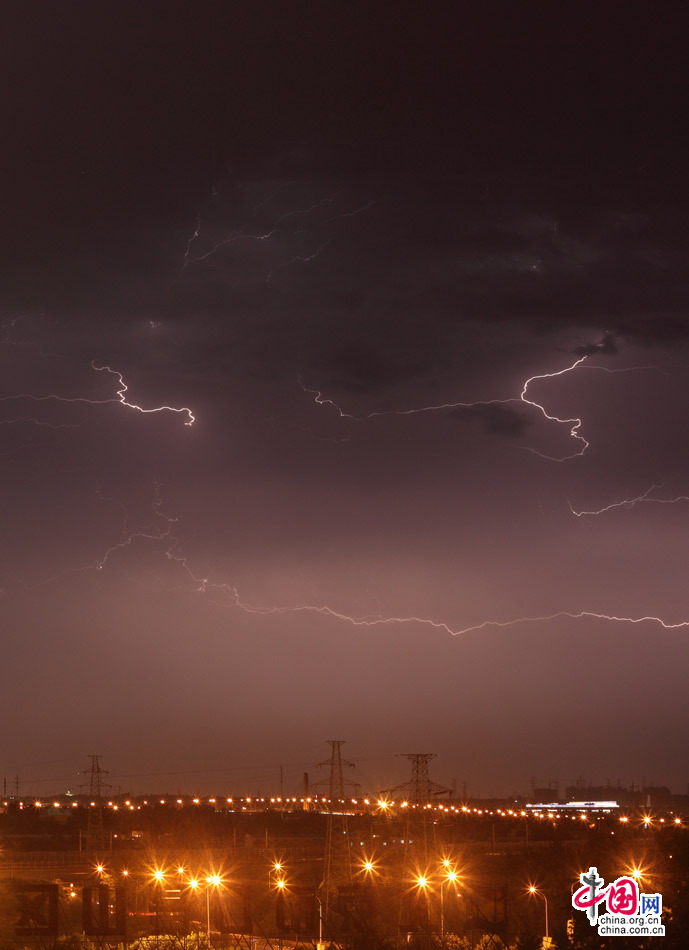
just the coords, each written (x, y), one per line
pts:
(402, 213)
(364, 367)
(495, 419)
(381, 304)
(607, 346)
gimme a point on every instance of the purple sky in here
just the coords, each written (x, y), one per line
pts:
(344, 248)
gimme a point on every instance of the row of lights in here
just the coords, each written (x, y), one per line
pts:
(381, 804)
(160, 875)
(422, 880)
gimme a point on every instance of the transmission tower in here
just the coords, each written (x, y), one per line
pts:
(337, 861)
(336, 783)
(95, 836)
(420, 788)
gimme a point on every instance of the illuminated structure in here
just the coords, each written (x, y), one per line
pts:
(566, 807)
(420, 788)
(337, 864)
(95, 836)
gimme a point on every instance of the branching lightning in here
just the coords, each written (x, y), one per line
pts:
(204, 585)
(631, 502)
(298, 259)
(241, 235)
(163, 532)
(130, 405)
(236, 236)
(38, 422)
(612, 618)
(120, 397)
(574, 423)
(131, 537)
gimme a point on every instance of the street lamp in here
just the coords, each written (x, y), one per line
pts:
(535, 890)
(320, 923)
(213, 880)
(277, 869)
(451, 877)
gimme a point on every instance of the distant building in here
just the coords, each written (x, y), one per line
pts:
(566, 807)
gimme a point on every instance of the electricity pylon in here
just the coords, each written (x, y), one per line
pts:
(95, 836)
(337, 861)
(420, 788)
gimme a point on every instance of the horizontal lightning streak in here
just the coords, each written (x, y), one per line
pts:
(130, 405)
(613, 618)
(298, 259)
(631, 502)
(237, 236)
(351, 214)
(575, 423)
(241, 235)
(377, 620)
(319, 204)
(322, 400)
(53, 397)
(43, 425)
(203, 585)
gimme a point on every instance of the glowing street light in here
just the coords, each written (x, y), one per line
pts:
(535, 890)
(320, 923)
(639, 874)
(451, 877)
(277, 869)
(213, 880)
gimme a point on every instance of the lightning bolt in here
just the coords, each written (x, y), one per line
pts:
(322, 400)
(130, 405)
(574, 423)
(631, 502)
(612, 618)
(351, 214)
(131, 537)
(236, 236)
(241, 234)
(38, 422)
(204, 585)
(314, 207)
(123, 388)
(187, 250)
(300, 258)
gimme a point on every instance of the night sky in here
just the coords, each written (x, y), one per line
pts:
(366, 253)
